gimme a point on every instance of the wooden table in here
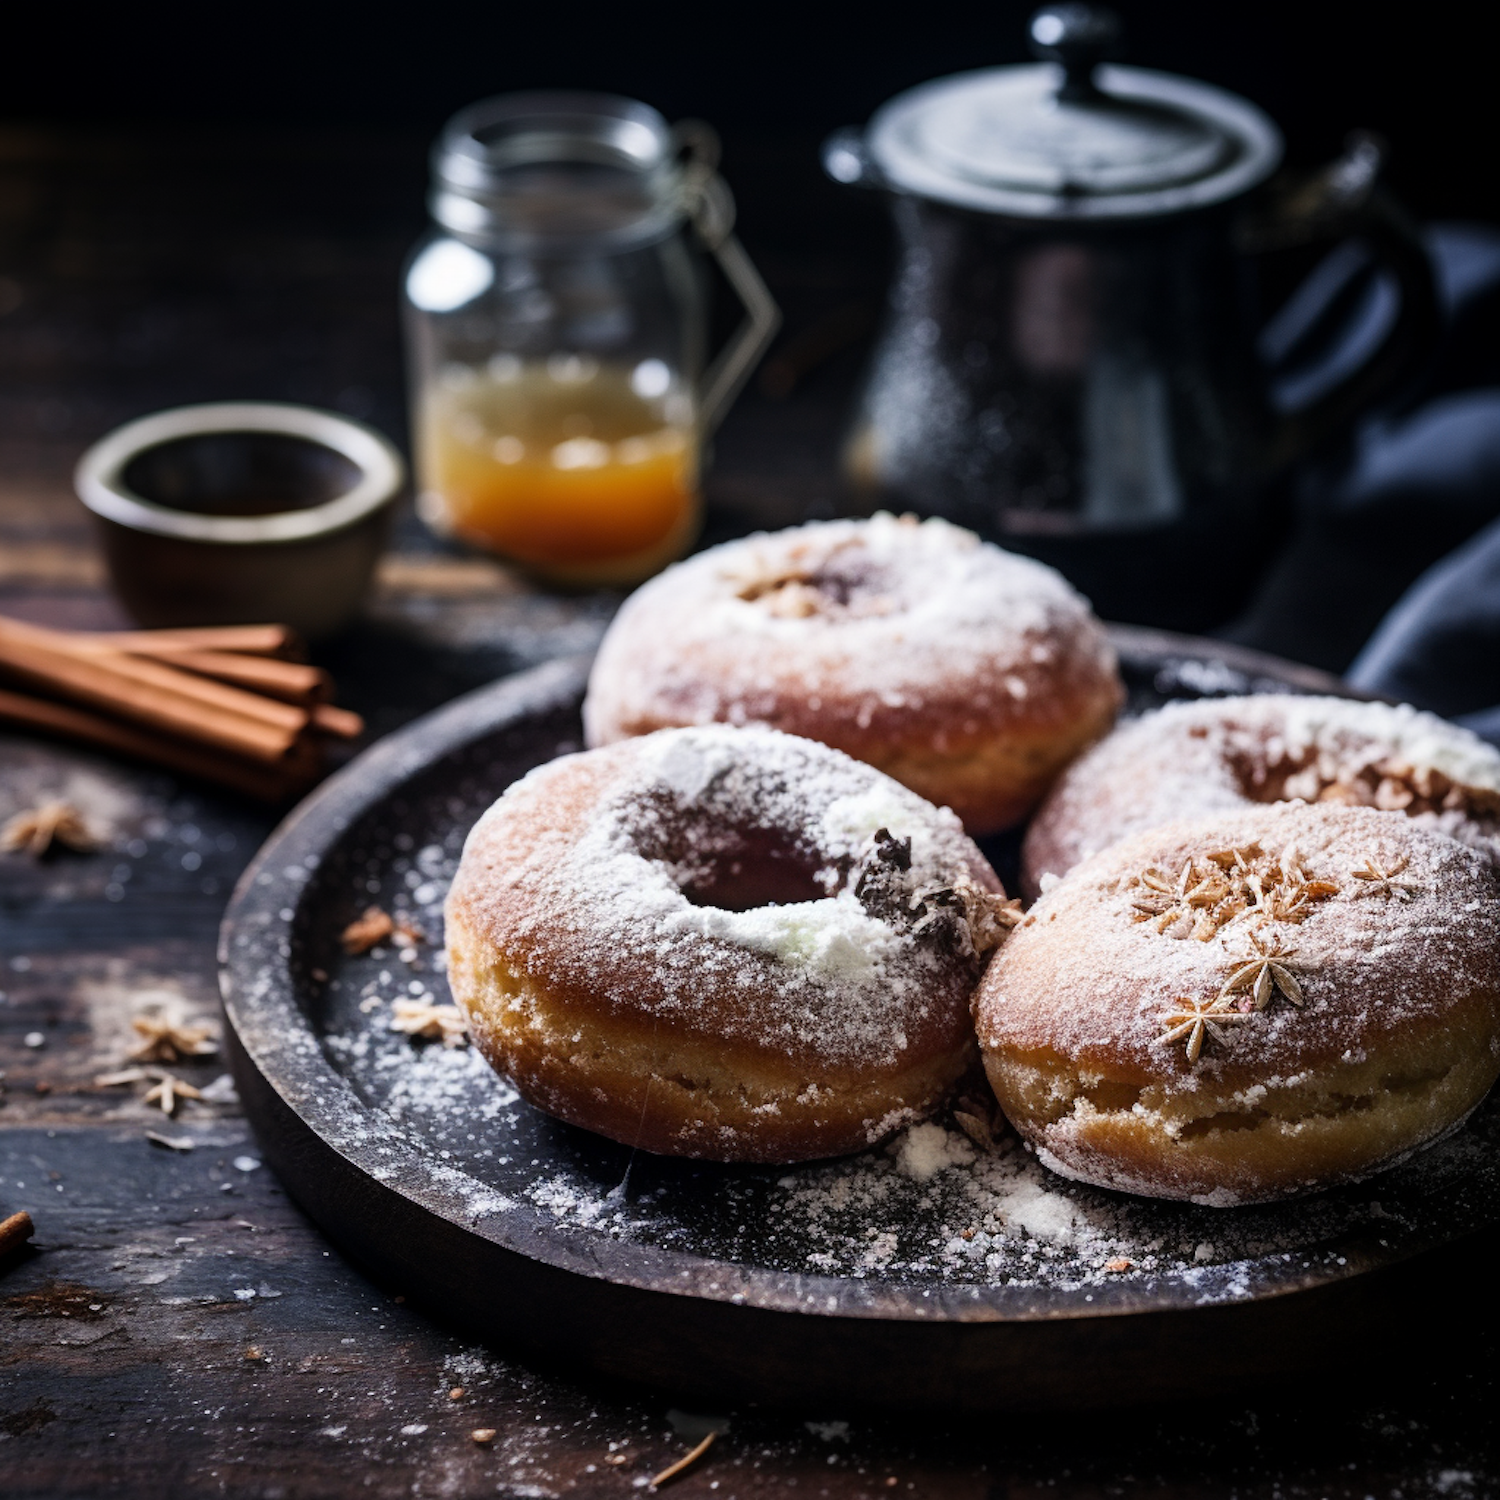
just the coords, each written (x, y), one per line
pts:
(179, 1327)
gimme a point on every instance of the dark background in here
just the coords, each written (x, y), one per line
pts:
(204, 203)
(213, 201)
(1417, 74)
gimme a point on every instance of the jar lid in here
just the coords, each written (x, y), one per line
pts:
(1072, 138)
(558, 170)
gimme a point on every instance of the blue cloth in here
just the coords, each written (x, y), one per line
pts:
(1398, 539)
(1439, 648)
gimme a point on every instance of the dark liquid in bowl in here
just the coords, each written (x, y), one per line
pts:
(240, 474)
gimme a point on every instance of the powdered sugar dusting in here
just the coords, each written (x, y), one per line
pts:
(1087, 972)
(857, 625)
(835, 939)
(926, 1150)
(1397, 733)
(1192, 759)
(835, 977)
(928, 1208)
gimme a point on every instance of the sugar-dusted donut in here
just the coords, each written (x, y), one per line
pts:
(1249, 1005)
(1221, 754)
(966, 673)
(725, 943)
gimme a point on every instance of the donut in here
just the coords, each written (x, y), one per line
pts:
(968, 674)
(1251, 1005)
(1221, 754)
(723, 943)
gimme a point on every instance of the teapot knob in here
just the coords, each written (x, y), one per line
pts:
(1079, 37)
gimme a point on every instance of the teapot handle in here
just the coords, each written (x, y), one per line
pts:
(707, 201)
(1342, 205)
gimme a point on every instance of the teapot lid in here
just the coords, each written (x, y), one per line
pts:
(1071, 137)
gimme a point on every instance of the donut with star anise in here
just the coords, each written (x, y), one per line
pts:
(1219, 754)
(1251, 1005)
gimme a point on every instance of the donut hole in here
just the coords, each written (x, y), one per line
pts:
(1353, 780)
(762, 872)
(735, 867)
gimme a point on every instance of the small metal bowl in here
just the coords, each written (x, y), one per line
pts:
(242, 511)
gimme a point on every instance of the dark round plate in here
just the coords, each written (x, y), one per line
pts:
(924, 1271)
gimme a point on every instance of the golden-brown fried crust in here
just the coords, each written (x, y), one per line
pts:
(677, 1094)
(773, 1033)
(1341, 1027)
(967, 673)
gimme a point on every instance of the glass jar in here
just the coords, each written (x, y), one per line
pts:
(556, 328)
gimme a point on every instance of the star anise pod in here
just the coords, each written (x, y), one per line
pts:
(39, 828)
(1264, 973)
(433, 1023)
(1192, 895)
(1378, 880)
(166, 1092)
(1198, 1020)
(164, 1040)
(1235, 858)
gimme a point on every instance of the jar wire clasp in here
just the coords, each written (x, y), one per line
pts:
(709, 204)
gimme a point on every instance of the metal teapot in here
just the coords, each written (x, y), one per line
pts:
(1071, 362)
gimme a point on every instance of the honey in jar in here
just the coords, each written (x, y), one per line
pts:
(557, 332)
(584, 472)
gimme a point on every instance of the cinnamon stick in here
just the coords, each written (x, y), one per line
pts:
(221, 702)
(173, 679)
(292, 682)
(247, 640)
(151, 693)
(342, 723)
(267, 783)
